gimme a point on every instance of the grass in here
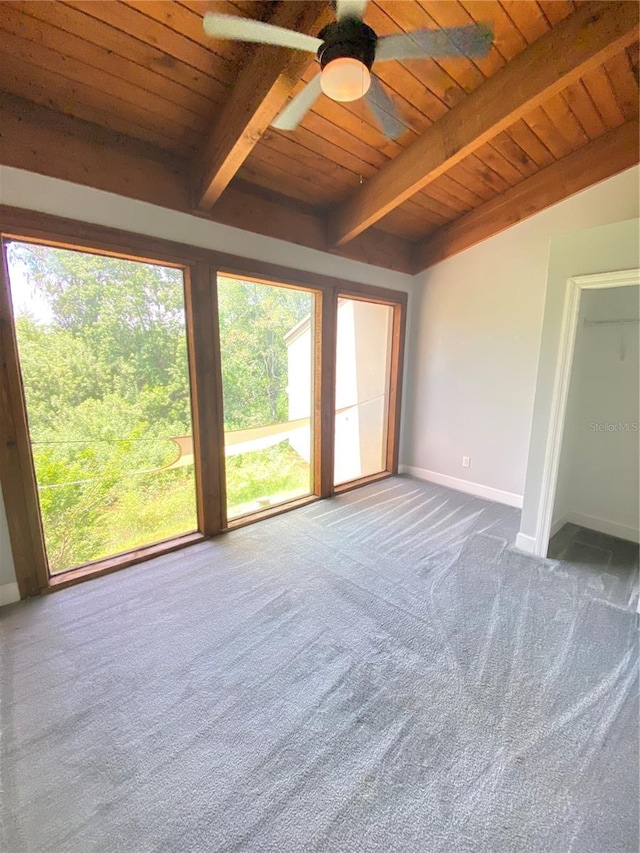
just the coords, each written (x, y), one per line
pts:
(164, 507)
(161, 505)
(265, 478)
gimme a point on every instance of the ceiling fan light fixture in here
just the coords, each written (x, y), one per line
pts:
(345, 79)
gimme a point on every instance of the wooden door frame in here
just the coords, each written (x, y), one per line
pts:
(201, 268)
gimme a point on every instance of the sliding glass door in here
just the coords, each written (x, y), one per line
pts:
(363, 385)
(102, 350)
(267, 340)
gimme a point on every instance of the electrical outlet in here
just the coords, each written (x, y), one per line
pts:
(466, 461)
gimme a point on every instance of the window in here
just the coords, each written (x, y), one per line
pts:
(363, 372)
(266, 346)
(154, 394)
(103, 354)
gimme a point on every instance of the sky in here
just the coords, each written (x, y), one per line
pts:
(23, 296)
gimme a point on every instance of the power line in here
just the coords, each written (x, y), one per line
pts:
(101, 440)
(103, 479)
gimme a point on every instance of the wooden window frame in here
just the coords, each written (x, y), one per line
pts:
(201, 268)
(396, 367)
(316, 425)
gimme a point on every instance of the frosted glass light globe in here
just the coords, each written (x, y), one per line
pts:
(345, 79)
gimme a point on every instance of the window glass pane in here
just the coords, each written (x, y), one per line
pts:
(363, 366)
(103, 354)
(266, 342)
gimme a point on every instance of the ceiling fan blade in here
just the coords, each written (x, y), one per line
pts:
(350, 9)
(384, 110)
(473, 40)
(246, 29)
(293, 113)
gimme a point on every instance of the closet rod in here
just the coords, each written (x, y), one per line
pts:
(621, 322)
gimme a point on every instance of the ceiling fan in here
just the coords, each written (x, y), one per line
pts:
(346, 51)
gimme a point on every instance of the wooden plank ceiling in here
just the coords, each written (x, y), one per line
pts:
(133, 97)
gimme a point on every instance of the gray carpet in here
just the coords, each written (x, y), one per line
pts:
(378, 672)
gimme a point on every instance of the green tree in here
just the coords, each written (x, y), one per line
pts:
(127, 316)
(254, 319)
(106, 380)
(106, 383)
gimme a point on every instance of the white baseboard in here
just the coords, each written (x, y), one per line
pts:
(601, 525)
(475, 489)
(558, 525)
(526, 543)
(9, 593)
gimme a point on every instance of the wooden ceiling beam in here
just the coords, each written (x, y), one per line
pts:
(578, 44)
(259, 93)
(605, 156)
(45, 141)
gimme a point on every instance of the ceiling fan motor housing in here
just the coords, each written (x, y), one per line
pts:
(349, 38)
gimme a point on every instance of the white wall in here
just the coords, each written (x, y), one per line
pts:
(8, 586)
(363, 362)
(363, 359)
(299, 385)
(28, 190)
(599, 473)
(475, 333)
(61, 198)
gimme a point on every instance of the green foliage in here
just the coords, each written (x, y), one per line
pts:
(118, 328)
(254, 320)
(277, 472)
(161, 505)
(106, 382)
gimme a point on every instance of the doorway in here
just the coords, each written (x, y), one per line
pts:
(594, 528)
(555, 489)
